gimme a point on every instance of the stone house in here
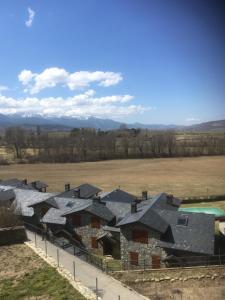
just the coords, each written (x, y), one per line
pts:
(155, 230)
(88, 221)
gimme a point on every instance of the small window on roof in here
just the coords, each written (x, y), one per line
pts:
(70, 204)
(182, 221)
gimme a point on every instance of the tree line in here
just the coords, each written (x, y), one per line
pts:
(87, 144)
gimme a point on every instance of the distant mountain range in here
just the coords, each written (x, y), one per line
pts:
(67, 123)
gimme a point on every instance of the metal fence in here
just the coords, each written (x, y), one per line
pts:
(113, 265)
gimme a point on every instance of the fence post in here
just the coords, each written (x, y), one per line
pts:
(119, 297)
(35, 239)
(45, 248)
(74, 271)
(74, 251)
(58, 257)
(96, 288)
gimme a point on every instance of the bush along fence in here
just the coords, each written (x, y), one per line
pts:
(112, 265)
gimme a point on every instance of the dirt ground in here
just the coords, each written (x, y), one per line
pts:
(207, 284)
(19, 255)
(179, 176)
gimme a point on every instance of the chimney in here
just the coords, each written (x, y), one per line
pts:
(34, 184)
(169, 198)
(67, 187)
(25, 181)
(133, 207)
(144, 195)
(76, 193)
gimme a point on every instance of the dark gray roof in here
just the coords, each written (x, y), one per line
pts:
(68, 206)
(50, 201)
(93, 207)
(162, 201)
(6, 195)
(86, 191)
(101, 211)
(117, 195)
(197, 236)
(147, 217)
(119, 209)
(14, 182)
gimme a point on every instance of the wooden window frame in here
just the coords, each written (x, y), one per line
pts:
(133, 256)
(140, 236)
(94, 242)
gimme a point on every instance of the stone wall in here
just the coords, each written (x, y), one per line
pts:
(145, 251)
(87, 232)
(12, 235)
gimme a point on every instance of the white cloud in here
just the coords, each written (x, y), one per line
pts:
(31, 14)
(54, 76)
(82, 105)
(3, 88)
(26, 77)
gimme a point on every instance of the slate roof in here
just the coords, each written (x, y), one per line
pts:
(120, 210)
(14, 182)
(146, 216)
(54, 216)
(86, 191)
(6, 195)
(197, 236)
(117, 195)
(162, 201)
(94, 208)
(68, 206)
(24, 198)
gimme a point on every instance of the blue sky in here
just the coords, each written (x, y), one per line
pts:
(148, 61)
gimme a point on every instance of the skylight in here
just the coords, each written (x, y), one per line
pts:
(182, 221)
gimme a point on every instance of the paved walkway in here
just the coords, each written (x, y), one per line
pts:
(108, 288)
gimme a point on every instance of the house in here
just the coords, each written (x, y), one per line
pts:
(16, 183)
(118, 201)
(23, 184)
(155, 229)
(23, 201)
(83, 191)
(88, 220)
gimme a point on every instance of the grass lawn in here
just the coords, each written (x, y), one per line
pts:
(195, 176)
(24, 275)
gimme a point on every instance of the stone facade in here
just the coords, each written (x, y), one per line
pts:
(87, 232)
(144, 251)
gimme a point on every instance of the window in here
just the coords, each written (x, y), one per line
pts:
(182, 221)
(140, 236)
(94, 243)
(95, 222)
(76, 220)
(156, 262)
(133, 258)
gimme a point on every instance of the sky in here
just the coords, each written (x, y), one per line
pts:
(148, 61)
